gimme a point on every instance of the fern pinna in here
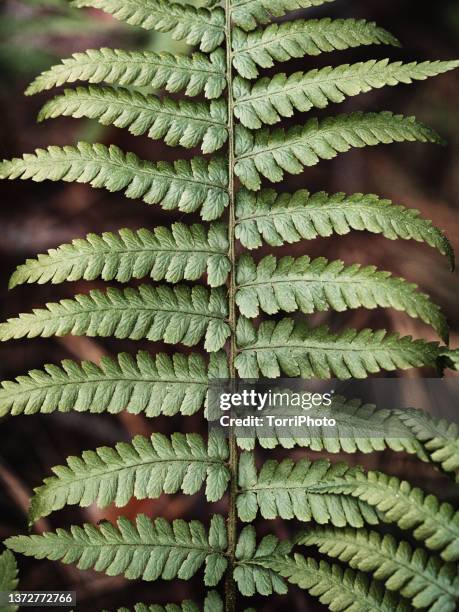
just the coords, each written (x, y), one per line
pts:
(232, 113)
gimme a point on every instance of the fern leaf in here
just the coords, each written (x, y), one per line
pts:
(144, 468)
(439, 438)
(270, 99)
(435, 523)
(414, 574)
(174, 72)
(178, 314)
(282, 42)
(196, 26)
(292, 490)
(154, 385)
(248, 13)
(291, 285)
(279, 219)
(296, 350)
(271, 153)
(339, 589)
(359, 428)
(184, 123)
(249, 575)
(8, 577)
(186, 185)
(150, 549)
(176, 254)
(212, 603)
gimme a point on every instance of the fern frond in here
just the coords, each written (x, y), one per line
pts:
(282, 42)
(150, 549)
(196, 26)
(435, 523)
(192, 74)
(272, 153)
(249, 575)
(359, 428)
(292, 490)
(296, 350)
(248, 13)
(173, 254)
(144, 468)
(185, 123)
(288, 284)
(186, 185)
(156, 385)
(212, 603)
(270, 99)
(279, 219)
(8, 576)
(439, 438)
(172, 314)
(339, 589)
(414, 574)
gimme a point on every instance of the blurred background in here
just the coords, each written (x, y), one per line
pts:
(34, 34)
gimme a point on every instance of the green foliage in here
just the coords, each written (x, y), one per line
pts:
(177, 314)
(144, 468)
(440, 438)
(291, 285)
(174, 254)
(193, 75)
(182, 123)
(268, 100)
(278, 219)
(8, 577)
(296, 350)
(186, 185)
(230, 114)
(155, 385)
(185, 22)
(272, 153)
(288, 490)
(338, 589)
(413, 573)
(282, 42)
(151, 549)
(251, 577)
(435, 523)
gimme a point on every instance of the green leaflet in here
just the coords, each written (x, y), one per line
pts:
(192, 74)
(414, 574)
(248, 13)
(249, 574)
(156, 385)
(212, 603)
(440, 438)
(8, 577)
(337, 588)
(173, 254)
(151, 549)
(178, 314)
(293, 490)
(279, 219)
(197, 26)
(359, 428)
(271, 153)
(144, 468)
(288, 284)
(282, 42)
(269, 99)
(186, 123)
(433, 522)
(296, 350)
(184, 185)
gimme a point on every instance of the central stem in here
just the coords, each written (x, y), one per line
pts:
(230, 587)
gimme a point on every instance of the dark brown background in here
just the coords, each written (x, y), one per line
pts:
(35, 217)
